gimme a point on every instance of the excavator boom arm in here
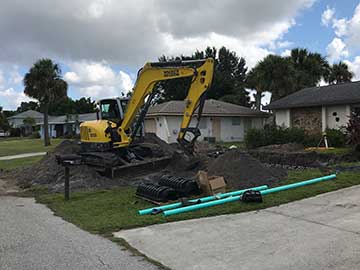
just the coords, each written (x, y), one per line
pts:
(201, 72)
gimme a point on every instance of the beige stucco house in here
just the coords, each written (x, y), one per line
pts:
(220, 121)
(317, 108)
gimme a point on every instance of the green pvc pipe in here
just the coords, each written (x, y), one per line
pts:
(298, 184)
(199, 200)
(236, 198)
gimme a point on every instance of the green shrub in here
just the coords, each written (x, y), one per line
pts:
(35, 135)
(254, 138)
(279, 135)
(336, 138)
(353, 131)
(15, 132)
(312, 140)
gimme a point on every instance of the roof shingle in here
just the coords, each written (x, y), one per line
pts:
(335, 94)
(212, 107)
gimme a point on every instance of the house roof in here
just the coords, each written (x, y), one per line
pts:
(335, 94)
(61, 119)
(71, 118)
(28, 113)
(212, 107)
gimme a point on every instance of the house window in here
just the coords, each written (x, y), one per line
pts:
(203, 123)
(235, 121)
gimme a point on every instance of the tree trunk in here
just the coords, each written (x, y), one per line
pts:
(46, 125)
(258, 96)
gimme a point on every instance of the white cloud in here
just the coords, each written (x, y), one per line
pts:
(354, 66)
(353, 30)
(340, 27)
(97, 79)
(2, 79)
(10, 81)
(336, 50)
(96, 8)
(251, 52)
(133, 32)
(285, 53)
(284, 44)
(11, 99)
(348, 30)
(15, 77)
(327, 16)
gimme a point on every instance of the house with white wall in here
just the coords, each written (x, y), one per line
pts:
(17, 120)
(220, 121)
(58, 125)
(316, 109)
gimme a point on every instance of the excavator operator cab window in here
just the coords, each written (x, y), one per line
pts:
(109, 110)
(124, 103)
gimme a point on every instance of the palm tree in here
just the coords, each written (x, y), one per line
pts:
(44, 83)
(310, 67)
(274, 74)
(339, 73)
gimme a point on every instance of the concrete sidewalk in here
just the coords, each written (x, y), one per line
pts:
(32, 238)
(22, 156)
(322, 232)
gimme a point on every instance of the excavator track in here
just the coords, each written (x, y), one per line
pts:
(142, 157)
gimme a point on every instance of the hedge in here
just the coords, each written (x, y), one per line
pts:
(279, 135)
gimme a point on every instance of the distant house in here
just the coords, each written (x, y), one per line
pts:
(317, 108)
(17, 121)
(220, 121)
(58, 125)
(66, 124)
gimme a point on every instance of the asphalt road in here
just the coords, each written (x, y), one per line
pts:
(32, 238)
(322, 232)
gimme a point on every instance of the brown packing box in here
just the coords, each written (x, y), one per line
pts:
(203, 182)
(211, 185)
(217, 184)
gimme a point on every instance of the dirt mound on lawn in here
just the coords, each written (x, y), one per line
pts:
(281, 148)
(48, 172)
(241, 170)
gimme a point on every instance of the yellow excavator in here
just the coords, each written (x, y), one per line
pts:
(110, 142)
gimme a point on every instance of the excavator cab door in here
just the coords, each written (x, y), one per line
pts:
(111, 109)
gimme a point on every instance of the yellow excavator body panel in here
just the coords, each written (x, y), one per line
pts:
(94, 131)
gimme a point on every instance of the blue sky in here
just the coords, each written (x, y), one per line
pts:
(100, 44)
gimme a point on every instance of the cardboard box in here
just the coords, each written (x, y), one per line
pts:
(217, 185)
(211, 185)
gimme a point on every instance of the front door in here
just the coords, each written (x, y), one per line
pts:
(216, 128)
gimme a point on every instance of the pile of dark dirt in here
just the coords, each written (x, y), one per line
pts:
(281, 148)
(241, 170)
(168, 149)
(48, 172)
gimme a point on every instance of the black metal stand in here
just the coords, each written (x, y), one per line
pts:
(67, 183)
(67, 161)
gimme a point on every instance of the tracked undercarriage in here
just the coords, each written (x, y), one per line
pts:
(142, 157)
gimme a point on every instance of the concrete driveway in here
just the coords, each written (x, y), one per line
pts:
(32, 238)
(322, 232)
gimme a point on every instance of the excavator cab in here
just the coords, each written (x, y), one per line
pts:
(112, 109)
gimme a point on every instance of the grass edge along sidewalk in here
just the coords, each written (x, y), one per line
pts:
(106, 211)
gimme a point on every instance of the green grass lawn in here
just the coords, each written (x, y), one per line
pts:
(336, 150)
(19, 162)
(22, 146)
(107, 211)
